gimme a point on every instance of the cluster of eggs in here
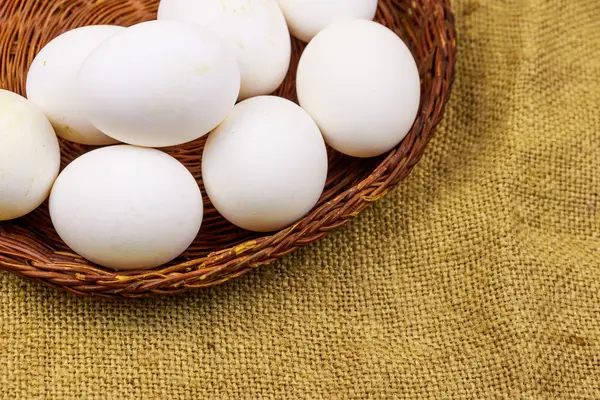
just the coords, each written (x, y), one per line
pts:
(203, 67)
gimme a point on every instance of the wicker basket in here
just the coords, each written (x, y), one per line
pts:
(30, 248)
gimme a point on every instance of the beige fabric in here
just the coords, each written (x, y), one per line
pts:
(478, 278)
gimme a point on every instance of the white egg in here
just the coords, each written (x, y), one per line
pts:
(52, 78)
(126, 207)
(29, 156)
(159, 83)
(360, 83)
(265, 166)
(306, 18)
(255, 29)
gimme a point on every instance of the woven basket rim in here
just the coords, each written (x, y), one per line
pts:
(429, 28)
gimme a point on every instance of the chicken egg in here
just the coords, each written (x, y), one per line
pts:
(52, 78)
(29, 156)
(255, 29)
(265, 166)
(306, 18)
(126, 207)
(159, 83)
(360, 83)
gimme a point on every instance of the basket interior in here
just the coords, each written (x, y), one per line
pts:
(51, 20)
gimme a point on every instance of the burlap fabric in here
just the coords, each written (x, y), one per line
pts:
(478, 278)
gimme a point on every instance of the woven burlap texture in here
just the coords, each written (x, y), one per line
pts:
(479, 277)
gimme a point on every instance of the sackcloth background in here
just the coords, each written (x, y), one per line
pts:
(479, 277)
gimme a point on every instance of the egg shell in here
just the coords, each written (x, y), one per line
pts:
(126, 207)
(265, 166)
(255, 29)
(306, 18)
(52, 78)
(29, 156)
(360, 83)
(159, 83)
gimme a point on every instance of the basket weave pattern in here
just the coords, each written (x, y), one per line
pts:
(29, 247)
